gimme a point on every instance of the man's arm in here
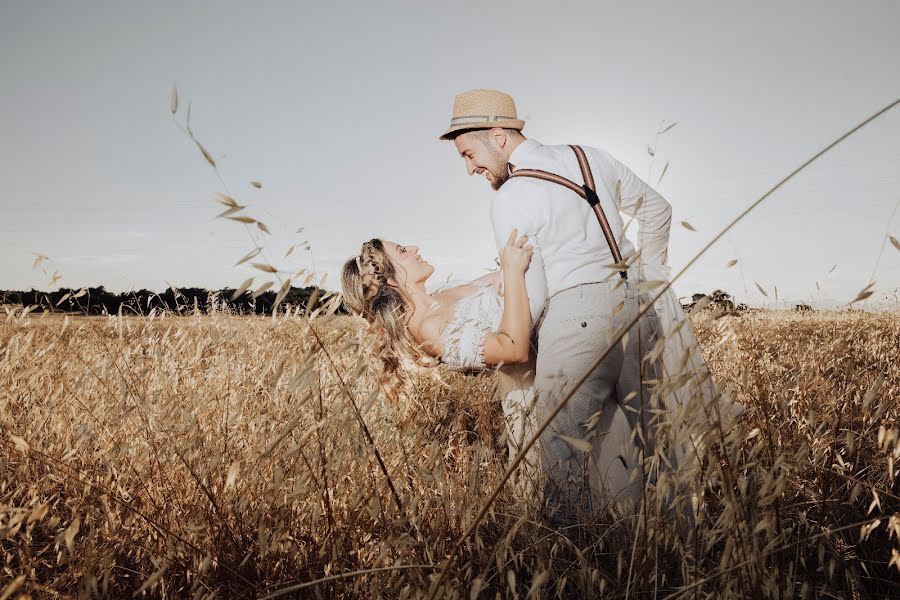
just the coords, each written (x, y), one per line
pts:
(653, 213)
(512, 208)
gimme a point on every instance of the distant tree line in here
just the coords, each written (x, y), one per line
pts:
(99, 301)
(724, 302)
(717, 299)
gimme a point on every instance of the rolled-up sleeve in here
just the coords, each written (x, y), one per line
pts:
(516, 207)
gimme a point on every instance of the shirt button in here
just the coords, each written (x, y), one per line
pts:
(583, 324)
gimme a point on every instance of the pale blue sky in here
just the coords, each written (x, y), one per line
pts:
(336, 108)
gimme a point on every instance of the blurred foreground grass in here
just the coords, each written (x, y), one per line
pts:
(223, 456)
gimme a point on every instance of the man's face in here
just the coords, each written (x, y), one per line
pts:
(483, 156)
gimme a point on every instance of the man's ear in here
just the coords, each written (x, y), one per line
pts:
(498, 134)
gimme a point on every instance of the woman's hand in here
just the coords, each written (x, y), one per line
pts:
(510, 344)
(515, 255)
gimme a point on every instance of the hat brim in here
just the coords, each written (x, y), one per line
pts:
(455, 130)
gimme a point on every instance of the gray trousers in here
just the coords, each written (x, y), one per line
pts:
(574, 331)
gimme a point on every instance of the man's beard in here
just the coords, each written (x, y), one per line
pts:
(499, 179)
(501, 173)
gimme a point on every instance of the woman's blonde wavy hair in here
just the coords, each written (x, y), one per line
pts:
(368, 292)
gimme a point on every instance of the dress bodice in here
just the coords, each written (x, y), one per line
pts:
(474, 318)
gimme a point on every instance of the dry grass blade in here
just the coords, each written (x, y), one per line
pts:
(761, 289)
(248, 256)
(243, 288)
(663, 174)
(864, 293)
(873, 391)
(245, 220)
(285, 288)
(265, 267)
(230, 211)
(151, 581)
(174, 99)
(731, 263)
(262, 289)
(21, 444)
(11, 587)
(231, 477)
(688, 226)
(577, 443)
(668, 128)
(308, 584)
(206, 154)
(227, 201)
(895, 242)
(262, 227)
(649, 286)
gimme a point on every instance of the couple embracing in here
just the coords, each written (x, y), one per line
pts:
(569, 284)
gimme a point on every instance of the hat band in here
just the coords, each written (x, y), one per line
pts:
(479, 119)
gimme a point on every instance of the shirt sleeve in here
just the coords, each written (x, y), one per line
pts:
(516, 207)
(653, 213)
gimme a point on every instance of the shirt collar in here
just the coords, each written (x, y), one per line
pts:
(521, 152)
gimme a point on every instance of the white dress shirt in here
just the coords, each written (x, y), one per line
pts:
(570, 248)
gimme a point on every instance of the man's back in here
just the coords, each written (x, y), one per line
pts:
(573, 249)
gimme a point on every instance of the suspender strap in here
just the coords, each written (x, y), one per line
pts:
(585, 167)
(587, 191)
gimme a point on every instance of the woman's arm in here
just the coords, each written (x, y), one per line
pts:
(492, 279)
(510, 344)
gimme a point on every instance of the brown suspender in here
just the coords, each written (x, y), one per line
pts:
(588, 191)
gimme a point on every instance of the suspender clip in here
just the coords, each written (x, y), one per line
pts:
(591, 196)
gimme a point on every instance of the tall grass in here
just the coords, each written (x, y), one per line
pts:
(220, 456)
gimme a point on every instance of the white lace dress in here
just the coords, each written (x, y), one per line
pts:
(474, 318)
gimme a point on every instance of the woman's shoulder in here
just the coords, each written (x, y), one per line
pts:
(427, 332)
(445, 286)
(453, 295)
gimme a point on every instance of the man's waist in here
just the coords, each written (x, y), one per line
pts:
(598, 272)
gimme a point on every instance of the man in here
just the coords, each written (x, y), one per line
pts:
(582, 291)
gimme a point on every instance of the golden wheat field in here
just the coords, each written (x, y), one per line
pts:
(242, 457)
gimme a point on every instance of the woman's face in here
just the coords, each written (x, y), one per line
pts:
(409, 264)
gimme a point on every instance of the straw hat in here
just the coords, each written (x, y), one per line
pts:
(483, 109)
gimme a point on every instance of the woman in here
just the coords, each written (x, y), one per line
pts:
(467, 326)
